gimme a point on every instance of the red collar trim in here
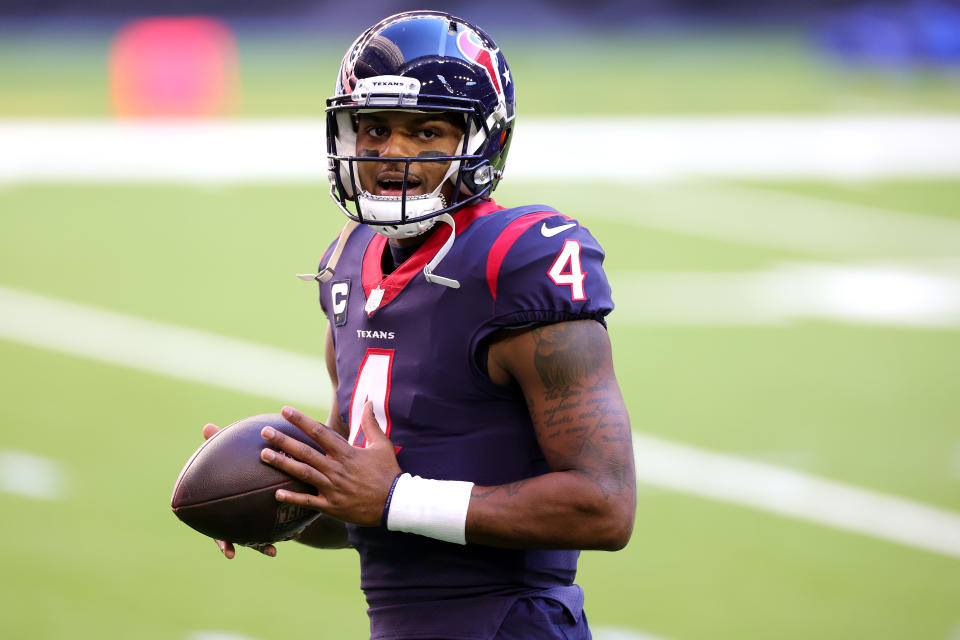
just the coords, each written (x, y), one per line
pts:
(393, 284)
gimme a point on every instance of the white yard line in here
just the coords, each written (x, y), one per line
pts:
(737, 146)
(797, 495)
(913, 295)
(157, 151)
(155, 347)
(637, 152)
(217, 635)
(791, 222)
(198, 356)
(31, 476)
(620, 633)
(581, 149)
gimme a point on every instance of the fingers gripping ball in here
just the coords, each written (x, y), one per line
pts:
(226, 492)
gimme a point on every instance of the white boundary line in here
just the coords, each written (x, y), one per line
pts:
(582, 149)
(189, 354)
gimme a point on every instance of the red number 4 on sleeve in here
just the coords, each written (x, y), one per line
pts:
(566, 270)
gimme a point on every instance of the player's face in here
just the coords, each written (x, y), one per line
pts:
(387, 134)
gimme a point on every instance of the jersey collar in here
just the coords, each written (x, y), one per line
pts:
(372, 270)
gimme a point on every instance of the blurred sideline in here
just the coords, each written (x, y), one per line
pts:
(237, 365)
(571, 149)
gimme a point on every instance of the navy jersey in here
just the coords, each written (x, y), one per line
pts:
(417, 350)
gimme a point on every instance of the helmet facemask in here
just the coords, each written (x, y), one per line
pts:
(422, 61)
(469, 173)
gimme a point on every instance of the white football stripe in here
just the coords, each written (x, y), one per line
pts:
(158, 151)
(234, 364)
(619, 633)
(794, 494)
(31, 476)
(217, 635)
(902, 295)
(740, 146)
(626, 148)
(786, 221)
(155, 347)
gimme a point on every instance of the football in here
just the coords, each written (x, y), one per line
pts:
(226, 492)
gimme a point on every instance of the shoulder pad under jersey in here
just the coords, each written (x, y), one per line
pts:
(546, 267)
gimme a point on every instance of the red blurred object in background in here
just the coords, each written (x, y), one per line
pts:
(181, 67)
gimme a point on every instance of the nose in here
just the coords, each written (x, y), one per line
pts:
(396, 145)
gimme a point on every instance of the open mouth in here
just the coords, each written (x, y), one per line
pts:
(393, 186)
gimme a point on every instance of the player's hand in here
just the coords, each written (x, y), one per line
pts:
(352, 482)
(227, 548)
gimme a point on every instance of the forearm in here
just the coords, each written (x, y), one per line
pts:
(559, 510)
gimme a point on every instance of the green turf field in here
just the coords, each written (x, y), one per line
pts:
(871, 406)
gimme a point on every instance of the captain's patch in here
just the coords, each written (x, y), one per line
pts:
(339, 294)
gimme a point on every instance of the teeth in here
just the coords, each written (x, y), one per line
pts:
(398, 184)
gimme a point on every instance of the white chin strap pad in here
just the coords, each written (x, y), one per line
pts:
(388, 208)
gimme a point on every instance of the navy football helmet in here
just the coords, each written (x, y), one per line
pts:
(421, 61)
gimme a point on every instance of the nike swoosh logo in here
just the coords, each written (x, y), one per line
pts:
(549, 232)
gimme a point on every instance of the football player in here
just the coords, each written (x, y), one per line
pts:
(477, 437)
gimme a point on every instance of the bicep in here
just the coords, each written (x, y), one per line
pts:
(581, 423)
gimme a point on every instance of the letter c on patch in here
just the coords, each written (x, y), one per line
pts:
(339, 293)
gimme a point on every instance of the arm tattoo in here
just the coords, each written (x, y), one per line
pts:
(561, 360)
(577, 410)
(511, 489)
(581, 421)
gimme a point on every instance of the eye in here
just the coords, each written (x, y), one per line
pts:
(428, 134)
(377, 131)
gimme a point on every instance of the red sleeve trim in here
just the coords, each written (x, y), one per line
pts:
(501, 246)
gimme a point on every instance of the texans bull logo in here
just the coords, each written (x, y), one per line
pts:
(470, 46)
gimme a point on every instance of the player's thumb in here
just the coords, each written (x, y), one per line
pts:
(372, 429)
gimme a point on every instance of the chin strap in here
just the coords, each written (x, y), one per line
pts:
(328, 270)
(428, 270)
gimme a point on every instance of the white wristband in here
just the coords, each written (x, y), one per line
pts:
(432, 508)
